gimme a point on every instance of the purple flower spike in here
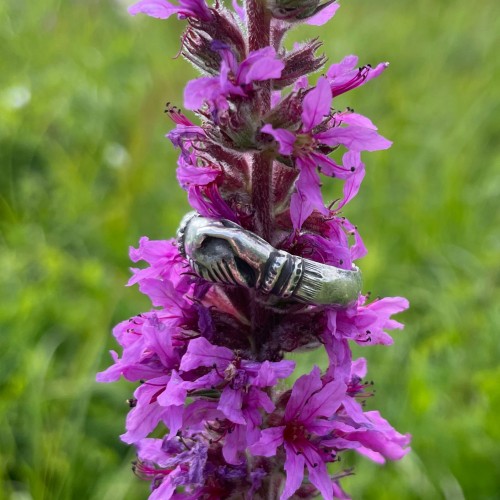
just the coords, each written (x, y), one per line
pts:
(209, 357)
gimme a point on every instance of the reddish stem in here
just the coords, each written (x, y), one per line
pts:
(259, 36)
(259, 24)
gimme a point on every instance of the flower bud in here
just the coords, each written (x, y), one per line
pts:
(200, 35)
(300, 62)
(197, 49)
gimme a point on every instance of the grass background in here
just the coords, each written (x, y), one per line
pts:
(85, 171)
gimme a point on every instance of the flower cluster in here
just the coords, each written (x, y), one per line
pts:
(210, 358)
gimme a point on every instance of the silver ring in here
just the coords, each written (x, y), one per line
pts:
(221, 251)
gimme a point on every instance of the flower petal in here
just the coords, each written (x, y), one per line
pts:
(261, 64)
(356, 119)
(201, 90)
(162, 293)
(199, 176)
(234, 445)
(389, 306)
(318, 475)
(302, 390)
(323, 16)
(164, 491)
(172, 418)
(346, 75)
(269, 372)
(359, 368)
(294, 468)
(307, 195)
(358, 249)
(339, 353)
(329, 167)
(161, 9)
(383, 438)
(230, 404)
(355, 411)
(240, 11)
(208, 201)
(325, 402)
(316, 104)
(201, 352)
(338, 70)
(147, 413)
(269, 441)
(197, 413)
(352, 185)
(355, 138)
(152, 450)
(284, 138)
(175, 392)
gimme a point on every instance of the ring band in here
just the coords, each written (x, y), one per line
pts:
(221, 251)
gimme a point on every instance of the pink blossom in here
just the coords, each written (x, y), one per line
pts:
(234, 80)
(305, 147)
(300, 432)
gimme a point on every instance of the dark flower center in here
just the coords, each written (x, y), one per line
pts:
(294, 431)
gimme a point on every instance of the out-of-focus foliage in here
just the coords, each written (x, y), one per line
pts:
(85, 171)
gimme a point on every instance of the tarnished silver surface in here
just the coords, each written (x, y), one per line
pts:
(221, 251)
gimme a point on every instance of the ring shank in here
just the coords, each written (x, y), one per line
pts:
(322, 284)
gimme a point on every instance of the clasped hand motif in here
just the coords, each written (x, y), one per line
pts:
(221, 251)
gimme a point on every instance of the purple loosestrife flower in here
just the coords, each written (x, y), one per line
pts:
(321, 419)
(300, 432)
(233, 373)
(170, 463)
(241, 384)
(234, 80)
(306, 147)
(203, 192)
(365, 324)
(211, 357)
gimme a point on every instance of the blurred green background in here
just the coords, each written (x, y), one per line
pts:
(85, 171)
